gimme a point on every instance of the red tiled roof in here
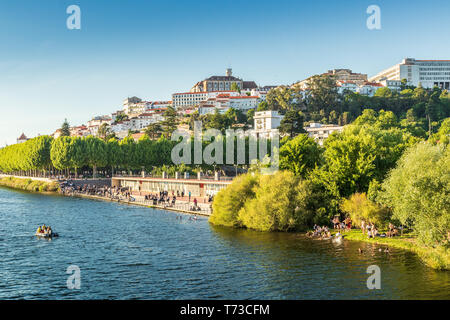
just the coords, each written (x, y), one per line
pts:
(202, 92)
(373, 84)
(244, 97)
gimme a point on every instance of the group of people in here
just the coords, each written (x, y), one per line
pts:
(47, 230)
(194, 218)
(116, 193)
(163, 199)
(373, 232)
(344, 225)
(320, 232)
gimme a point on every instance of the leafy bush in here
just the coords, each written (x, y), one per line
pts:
(273, 207)
(360, 208)
(279, 202)
(418, 191)
(230, 200)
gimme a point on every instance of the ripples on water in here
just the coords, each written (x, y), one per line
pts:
(127, 252)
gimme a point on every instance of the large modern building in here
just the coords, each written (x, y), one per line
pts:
(428, 73)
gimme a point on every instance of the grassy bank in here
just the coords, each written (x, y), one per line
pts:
(29, 184)
(436, 258)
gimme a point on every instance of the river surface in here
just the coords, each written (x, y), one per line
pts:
(127, 252)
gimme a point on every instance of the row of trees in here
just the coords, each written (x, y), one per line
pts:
(45, 154)
(71, 154)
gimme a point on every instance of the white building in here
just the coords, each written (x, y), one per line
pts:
(98, 121)
(266, 123)
(319, 132)
(222, 102)
(244, 103)
(189, 99)
(429, 73)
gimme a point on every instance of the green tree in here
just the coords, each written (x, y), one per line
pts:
(154, 130)
(96, 153)
(65, 129)
(115, 155)
(383, 92)
(360, 208)
(263, 106)
(229, 201)
(104, 132)
(300, 155)
(59, 153)
(417, 190)
(273, 206)
(170, 121)
(322, 94)
(292, 123)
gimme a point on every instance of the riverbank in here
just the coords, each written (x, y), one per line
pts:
(146, 204)
(436, 258)
(29, 184)
(53, 187)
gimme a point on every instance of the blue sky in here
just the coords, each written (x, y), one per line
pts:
(152, 49)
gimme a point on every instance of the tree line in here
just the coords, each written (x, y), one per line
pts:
(44, 155)
(68, 155)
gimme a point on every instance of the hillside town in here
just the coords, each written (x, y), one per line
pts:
(220, 93)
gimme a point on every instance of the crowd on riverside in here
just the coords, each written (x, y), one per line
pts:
(163, 198)
(346, 225)
(69, 188)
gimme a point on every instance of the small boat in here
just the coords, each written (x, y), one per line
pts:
(46, 235)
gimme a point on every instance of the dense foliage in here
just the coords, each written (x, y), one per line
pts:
(45, 154)
(279, 202)
(416, 106)
(418, 191)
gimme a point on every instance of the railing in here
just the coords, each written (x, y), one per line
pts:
(180, 177)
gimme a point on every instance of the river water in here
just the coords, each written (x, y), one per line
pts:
(127, 252)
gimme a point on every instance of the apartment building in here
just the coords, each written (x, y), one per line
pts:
(428, 73)
(266, 124)
(320, 132)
